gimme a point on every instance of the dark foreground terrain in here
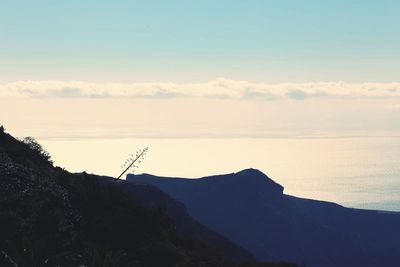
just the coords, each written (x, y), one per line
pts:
(50, 217)
(251, 210)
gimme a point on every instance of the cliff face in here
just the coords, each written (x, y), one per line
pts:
(50, 217)
(250, 209)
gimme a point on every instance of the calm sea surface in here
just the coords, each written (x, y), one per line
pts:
(361, 172)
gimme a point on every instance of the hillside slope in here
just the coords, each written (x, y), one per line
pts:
(250, 209)
(50, 217)
(153, 198)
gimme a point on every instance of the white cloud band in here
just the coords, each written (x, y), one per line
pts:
(218, 88)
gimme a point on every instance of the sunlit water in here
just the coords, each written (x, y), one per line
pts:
(359, 172)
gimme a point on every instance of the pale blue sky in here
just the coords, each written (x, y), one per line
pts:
(192, 41)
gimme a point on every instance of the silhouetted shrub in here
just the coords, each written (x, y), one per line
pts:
(35, 146)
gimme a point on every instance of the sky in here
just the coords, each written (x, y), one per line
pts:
(112, 69)
(196, 41)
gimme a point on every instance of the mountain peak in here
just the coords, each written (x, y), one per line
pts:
(245, 181)
(257, 177)
(251, 171)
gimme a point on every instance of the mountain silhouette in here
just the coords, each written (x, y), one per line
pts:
(153, 198)
(251, 209)
(51, 217)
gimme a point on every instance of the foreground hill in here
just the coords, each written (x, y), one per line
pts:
(153, 198)
(50, 217)
(250, 209)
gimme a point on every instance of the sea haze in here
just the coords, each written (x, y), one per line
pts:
(362, 172)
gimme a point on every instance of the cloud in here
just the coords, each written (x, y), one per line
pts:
(67, 92)
(220, 88)
(297, 94)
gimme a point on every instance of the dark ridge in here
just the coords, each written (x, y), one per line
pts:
(152, 197)
(50, 217)
(251, 210)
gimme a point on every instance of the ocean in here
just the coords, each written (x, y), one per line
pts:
(360, 172)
